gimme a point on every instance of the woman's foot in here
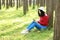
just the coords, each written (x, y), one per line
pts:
(25, 31)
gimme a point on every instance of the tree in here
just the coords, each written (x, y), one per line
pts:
(21, 2)
(30, 2)
(10, 3)
(17, 4)
(3, 2)
(13, 2)
(25, 6)
(57, 21)
(0, 4)
(33, 4)
(49, 11)
(42, 2)
(38, 3)
(7, 5)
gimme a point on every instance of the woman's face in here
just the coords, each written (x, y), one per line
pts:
(39, 11)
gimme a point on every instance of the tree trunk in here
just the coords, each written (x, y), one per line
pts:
(42, 2)
(30, 2)
(17, 4)
(0, 4)
(33, 4)
(27, 5)
(24, 7)
(10, 3)
(38, 3)
(49, 11)
(21, 2)
(3, 2)
(7, 5)
(57, 21)
(13, 3)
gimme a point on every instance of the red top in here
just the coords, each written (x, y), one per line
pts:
(44, 20)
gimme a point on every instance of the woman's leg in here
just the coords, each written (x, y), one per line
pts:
(38, 26)
(31, 26)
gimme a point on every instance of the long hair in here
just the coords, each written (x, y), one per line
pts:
(42, 13)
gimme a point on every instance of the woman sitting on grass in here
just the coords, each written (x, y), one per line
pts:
(41, 24)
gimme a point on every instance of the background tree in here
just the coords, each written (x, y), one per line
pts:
(7, 4)
(30, 2)
(21, 2)
(17, 4)
(33, 4)
(42, 2)
(25, 6)
(13, 2)
(3, 2)
(38, 3)
(10, 3)
(0, 4)
(57, 21)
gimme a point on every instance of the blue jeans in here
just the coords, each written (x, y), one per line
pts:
(37, 25)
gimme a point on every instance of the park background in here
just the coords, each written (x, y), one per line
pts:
(16, 15)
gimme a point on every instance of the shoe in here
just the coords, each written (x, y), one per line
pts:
(25, 31)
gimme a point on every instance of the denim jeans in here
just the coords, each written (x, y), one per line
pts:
(37, 25)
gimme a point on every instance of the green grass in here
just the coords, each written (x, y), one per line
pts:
(12, 22)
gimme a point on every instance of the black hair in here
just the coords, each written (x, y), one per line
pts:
(42, 13)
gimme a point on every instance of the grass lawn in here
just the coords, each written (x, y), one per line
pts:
(12, 22)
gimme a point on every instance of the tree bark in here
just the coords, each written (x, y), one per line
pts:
(10, 3)
(42, 2)
(49, 11)
(17, 4)
(3, 2)
(33, 4)
(57, 21)
(27, 5)
(13, 3)
(38, 3)
(7, 5)
(30, 2)
(0, 4)
(24, 7)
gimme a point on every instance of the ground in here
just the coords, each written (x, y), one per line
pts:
(12, 22)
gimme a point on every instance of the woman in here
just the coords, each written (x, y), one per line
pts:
(41, 24)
